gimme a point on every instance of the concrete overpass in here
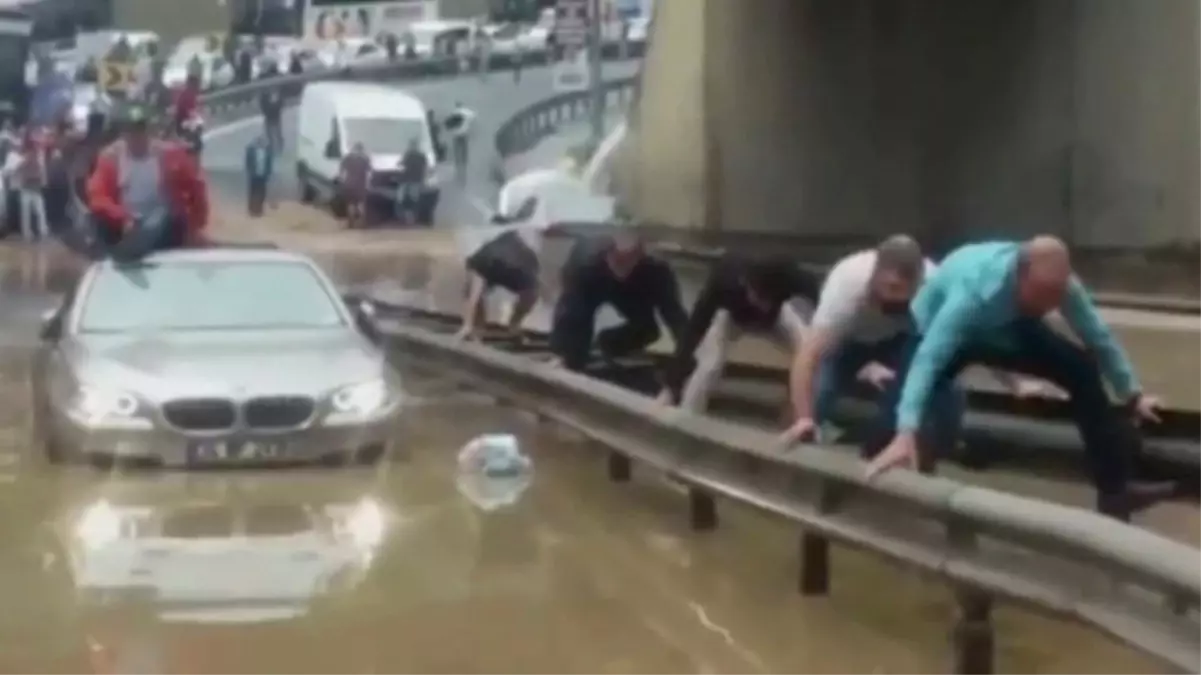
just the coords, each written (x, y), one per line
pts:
(947, 119)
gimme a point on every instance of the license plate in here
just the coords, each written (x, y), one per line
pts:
(219, 451)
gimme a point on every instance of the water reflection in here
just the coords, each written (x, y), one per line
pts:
(220, 549)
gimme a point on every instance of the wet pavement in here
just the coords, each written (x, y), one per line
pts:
(402, 568)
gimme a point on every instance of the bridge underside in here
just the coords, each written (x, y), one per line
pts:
(944, 118)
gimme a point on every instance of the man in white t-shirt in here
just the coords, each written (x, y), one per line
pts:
(858, 329)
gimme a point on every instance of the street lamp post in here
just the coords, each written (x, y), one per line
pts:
(596, 83)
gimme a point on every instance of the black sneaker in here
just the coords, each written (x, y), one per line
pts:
(1138, 496)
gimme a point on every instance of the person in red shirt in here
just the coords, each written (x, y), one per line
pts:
(187, 102)
(145, 194)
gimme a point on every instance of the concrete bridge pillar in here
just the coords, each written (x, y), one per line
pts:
(842, 119)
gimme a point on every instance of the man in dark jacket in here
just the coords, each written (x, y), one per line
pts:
(410, 195)
(619, 272)
(739, 296)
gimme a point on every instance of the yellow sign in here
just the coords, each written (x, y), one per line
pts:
(116, 76)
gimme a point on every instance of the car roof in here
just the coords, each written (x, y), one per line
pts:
(378, 99)
(256, 253)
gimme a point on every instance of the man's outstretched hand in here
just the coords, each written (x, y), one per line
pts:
(804, 429)
(900, 453)
(1146, 409)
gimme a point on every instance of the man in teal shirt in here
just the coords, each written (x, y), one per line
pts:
(986, 305)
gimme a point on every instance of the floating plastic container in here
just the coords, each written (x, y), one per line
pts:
(495, 456)
(493, 472)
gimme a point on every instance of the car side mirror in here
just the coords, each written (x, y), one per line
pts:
(332, 151)
(52, 326)
(365, 319)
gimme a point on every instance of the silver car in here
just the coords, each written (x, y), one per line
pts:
(211, 357)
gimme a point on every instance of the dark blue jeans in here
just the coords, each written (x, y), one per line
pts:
(1030, 346)
(837, 371)
(137, 243)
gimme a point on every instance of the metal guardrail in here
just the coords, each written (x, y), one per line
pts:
(525, 129)
(1125, 582)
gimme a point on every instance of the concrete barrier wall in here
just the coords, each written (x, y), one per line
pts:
(663, 161)
(943, 118)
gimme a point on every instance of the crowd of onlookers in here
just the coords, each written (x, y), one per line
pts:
(37, 164)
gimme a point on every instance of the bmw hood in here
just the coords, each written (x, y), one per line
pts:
(187, 364)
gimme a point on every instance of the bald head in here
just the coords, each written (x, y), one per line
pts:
(1044, 274)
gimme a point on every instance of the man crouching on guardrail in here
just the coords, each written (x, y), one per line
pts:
(616, 271)
(986, 304)
(859, 329)
(145, 194)
(506, 256)
(752, 296)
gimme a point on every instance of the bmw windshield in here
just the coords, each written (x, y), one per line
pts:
(186, 296)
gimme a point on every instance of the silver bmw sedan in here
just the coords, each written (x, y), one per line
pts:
(212, 357)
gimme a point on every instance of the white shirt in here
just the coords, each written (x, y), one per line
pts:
(844, 308)
(468, 119)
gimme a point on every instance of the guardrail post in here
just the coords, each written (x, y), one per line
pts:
(702, 509)
(814, 571)
(619, 467)
(972, 636)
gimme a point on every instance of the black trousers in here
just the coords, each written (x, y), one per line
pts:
(574, 325)
(256, 196)
(1030, 346)
(110, 242)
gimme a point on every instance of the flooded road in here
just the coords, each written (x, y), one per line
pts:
(408, 567)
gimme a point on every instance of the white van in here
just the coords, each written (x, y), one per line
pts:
(334, 116)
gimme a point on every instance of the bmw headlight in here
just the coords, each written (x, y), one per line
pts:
(98, 525)
(360, 400)
(100, 406)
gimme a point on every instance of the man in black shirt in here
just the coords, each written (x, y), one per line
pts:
(414, 167)
(738, 296)
(615, 271)
(506, 256)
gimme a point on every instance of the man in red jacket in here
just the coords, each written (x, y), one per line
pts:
(146, 194)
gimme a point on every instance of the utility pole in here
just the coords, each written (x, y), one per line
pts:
(596, 82)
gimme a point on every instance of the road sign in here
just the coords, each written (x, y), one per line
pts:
(571, 22)
(116, 76)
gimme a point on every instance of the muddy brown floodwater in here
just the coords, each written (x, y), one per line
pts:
(400, 568)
